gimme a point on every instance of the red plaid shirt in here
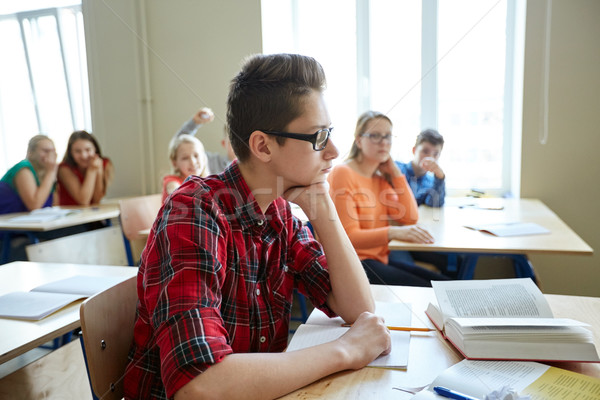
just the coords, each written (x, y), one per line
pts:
(217, 277)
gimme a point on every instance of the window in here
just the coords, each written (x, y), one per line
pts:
(440, 64)
(43, 79)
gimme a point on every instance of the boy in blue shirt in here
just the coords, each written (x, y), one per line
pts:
(424, 175)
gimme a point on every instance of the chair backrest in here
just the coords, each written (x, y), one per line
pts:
(107, 321)
(101, 247)
(138, 213)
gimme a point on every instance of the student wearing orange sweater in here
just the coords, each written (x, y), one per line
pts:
(369, 190)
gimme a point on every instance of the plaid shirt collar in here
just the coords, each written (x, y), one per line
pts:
(247, 211)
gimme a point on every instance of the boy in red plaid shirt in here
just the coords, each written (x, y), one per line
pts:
(225, 253)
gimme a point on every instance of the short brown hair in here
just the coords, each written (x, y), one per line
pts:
(268, 93)
(430, 136)
(361, 124)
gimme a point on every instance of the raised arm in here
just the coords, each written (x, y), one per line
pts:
(200, 117)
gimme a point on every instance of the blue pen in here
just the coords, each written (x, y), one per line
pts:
(451, 394)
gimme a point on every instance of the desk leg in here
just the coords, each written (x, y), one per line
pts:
(5, 247)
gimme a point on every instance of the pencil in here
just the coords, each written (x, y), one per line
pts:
(401, 328)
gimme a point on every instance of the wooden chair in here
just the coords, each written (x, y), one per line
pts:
(137, 214)
(107, 321)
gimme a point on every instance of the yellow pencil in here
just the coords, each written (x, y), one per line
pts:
(401, 328)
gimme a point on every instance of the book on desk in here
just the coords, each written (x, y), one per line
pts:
(479, 378)
(507, 319)
(44, 300)
(321, 329)
(45, 214)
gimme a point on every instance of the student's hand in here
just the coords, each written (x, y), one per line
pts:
(389, 168)
(312, 199)
(96, 163)
(410, 233)
(203, 116)
(430, 164)
(49, 162)
(367, 339)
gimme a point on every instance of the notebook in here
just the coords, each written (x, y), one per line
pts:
(43, 300)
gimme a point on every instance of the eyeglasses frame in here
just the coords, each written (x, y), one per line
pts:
(369, 136)
(312, 138)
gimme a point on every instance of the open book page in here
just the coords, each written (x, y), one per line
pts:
(492, 298)
(321, 329)
(80, 284)
(34, 305)
(479, 378)
(45, 214)
(560, 384)
(510, 228)
(45, 299)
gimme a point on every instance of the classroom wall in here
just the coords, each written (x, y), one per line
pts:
(153, 63)
(564, 172)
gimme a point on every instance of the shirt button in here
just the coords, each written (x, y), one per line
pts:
(263, 339)
(258, 292)
(285, 268)
(260, 222)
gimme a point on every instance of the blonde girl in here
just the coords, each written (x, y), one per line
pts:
(187, 157)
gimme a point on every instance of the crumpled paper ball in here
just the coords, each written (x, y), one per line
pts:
(506, 393)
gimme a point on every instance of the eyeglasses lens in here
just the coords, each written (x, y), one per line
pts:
(322, 138)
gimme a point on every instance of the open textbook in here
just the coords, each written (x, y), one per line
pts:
(45, 214)
(46, 299)
(321, 329)
(507, 319)
(541, 382)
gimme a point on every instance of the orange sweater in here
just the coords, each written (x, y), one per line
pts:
(365, 206)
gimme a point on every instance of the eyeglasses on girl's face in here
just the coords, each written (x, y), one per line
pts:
(377, 138)
(318, 139)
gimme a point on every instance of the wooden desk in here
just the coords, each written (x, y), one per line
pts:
(88, 214)
(18, 336)
(447, 226)
(429, 353)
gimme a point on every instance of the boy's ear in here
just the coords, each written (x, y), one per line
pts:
(259, 143)
(173, 163)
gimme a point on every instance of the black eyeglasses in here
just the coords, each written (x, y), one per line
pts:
(318, 139)
(377, 137)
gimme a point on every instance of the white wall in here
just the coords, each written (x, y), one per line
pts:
(152, 64)
(564, 173)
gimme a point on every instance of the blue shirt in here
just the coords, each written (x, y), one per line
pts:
(427, 189)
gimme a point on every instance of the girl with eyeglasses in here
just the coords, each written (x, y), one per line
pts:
(29, 184)
(368, 191)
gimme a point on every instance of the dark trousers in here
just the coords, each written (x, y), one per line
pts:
(400, 273)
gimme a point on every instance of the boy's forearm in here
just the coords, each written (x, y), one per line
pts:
(265, 375)
(351, 293)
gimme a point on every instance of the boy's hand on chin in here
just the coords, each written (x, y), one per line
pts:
(308, 197)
